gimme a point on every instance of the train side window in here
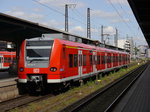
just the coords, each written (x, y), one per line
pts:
(103, 60)
(75, 60)
(9, 59)
(98, 60)
(70, 60)
(114, 59)
(91, 60)
(64, 52)
(84, 60)
(106, 60)
(5, 60)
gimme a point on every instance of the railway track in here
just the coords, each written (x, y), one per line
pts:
(106, 98)
(121, 95)
(21, 101)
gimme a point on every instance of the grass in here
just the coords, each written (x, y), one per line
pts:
(60, 101)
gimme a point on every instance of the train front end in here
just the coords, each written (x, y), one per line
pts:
(34, 61)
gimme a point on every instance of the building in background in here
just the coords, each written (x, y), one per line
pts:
(143, 51)
(128, 45)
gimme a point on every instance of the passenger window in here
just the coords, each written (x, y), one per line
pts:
(91, 60)
(98, 60)
(84, 60)
(70, 60)
(75, 60)
(64, 53)
(103, 60)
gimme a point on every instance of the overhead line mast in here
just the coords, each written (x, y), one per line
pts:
(66, 15)
(88, 24)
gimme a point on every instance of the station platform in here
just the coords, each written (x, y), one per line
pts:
(137, 99)
(7, 82)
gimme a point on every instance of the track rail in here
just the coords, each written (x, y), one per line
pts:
(101, 94)
(21, 101)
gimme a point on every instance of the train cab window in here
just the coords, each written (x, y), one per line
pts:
(70, 60)
(84, 60)
(98, 60)
(75, 60)
(91, 60)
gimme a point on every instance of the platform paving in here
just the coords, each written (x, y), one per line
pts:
(137, 99)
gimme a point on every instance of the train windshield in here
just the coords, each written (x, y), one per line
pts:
(38, 50)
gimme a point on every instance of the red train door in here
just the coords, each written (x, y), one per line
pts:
(80, 56)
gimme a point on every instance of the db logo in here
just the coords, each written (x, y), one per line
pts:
(36, 70)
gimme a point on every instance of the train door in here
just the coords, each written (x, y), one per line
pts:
(94, 61)
(80, 70)
(1, 62)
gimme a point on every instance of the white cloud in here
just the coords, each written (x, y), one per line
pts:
(77, 29)
(94, 30)
(81, 29)
(103, 14)
(53, 23)
(120, 20)
(37, 10)
(60, 3)
(34, 17)
(29, 16)
(109, 30)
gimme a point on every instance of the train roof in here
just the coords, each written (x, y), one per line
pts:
(75, 44)
(7, 52)
(72, 38)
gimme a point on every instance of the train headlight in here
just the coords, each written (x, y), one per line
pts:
(53, 69)
(21, 69)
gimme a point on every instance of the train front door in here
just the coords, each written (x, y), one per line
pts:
(80, 58)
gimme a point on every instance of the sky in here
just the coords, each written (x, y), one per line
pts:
(112, 14)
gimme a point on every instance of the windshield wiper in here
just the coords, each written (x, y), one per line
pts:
(35, 60)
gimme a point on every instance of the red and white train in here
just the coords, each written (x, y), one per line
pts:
(55, 61)
(6, 59)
